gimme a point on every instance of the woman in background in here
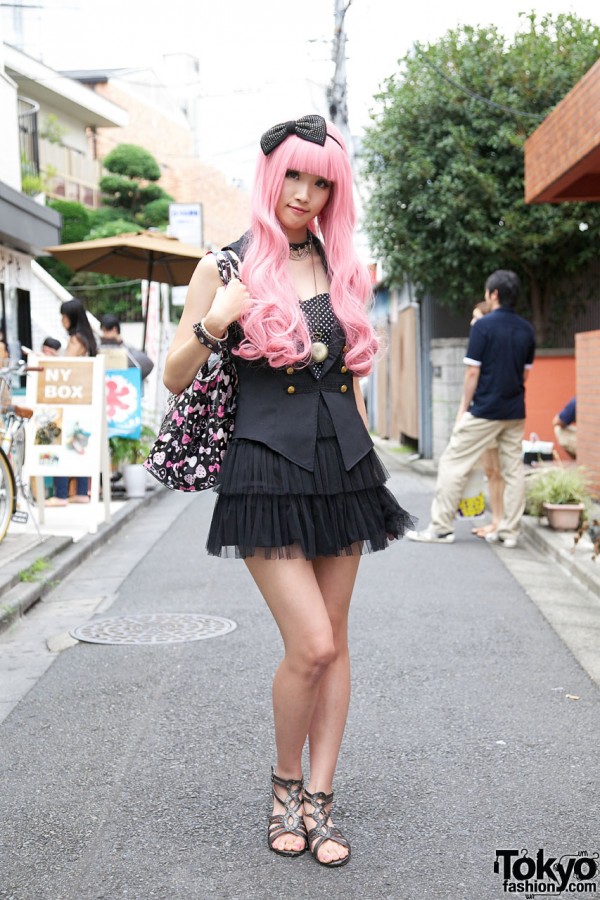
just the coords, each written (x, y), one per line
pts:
(81, 343)
(75, 322)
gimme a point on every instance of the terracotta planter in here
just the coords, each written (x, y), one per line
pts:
(564, 517)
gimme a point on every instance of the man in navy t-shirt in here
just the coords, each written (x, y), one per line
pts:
(499, 355)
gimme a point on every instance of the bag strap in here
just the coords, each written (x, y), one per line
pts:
(228, 265)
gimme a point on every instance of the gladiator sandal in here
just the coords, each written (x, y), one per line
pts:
(290, 821)
(322, 831)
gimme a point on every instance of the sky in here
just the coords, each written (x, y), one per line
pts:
(262, 61)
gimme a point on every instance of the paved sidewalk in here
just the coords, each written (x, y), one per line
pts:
(32, 564)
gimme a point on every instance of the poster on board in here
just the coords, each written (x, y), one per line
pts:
(67, 433)
(124, 402)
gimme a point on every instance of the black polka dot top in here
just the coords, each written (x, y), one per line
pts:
(320, 320)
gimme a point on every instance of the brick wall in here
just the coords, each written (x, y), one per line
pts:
(188, 180)
(562, 155)
(587, 356)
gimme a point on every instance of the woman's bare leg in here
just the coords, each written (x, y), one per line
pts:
(490, 461)
(496, 488)
(336, 577)
(292, 592)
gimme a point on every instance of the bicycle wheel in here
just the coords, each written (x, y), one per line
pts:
(8, 496)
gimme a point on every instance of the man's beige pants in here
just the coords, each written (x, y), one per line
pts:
(470, 437)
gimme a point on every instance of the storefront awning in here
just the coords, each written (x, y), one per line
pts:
(24, 224)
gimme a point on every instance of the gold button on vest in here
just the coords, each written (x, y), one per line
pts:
(344, 388)
(345, 348)
(344, 369)
(290, 370)
(291, 389)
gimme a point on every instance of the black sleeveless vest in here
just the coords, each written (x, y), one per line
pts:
(279, 406)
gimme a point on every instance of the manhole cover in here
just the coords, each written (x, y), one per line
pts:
(153, 628)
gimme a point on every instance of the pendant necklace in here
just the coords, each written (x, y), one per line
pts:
(318, 350)
(301, 250)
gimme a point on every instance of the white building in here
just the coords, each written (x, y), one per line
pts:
(35, 99)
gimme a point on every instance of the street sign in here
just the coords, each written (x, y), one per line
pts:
(186, 223)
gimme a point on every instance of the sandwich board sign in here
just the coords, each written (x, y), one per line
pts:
(67, 434)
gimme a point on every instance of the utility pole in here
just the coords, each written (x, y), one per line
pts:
(337, 91)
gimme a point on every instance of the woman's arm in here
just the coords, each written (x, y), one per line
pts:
(207, 300)
(469, 387)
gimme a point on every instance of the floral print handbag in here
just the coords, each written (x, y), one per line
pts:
(199, 422)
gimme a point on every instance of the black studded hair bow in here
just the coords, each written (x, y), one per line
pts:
(309, 128)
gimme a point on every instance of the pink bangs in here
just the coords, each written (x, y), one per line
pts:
(274, 327)
(329, 161)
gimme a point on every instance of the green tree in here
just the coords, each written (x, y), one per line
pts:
(445, 167)
(76, 220)
(156, 212)
(133, 201)
(131, 183)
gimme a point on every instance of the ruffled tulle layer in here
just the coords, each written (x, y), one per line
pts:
(271, 507)
(253, 468)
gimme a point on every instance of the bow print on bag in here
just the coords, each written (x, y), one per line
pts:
(199, 422)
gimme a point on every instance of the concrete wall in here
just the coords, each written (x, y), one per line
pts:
(10, 164)
(448, 372)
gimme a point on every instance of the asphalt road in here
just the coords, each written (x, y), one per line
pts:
(142, 772)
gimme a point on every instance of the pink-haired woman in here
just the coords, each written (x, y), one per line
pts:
(301, 492)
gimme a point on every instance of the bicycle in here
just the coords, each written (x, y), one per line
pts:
(12, 451)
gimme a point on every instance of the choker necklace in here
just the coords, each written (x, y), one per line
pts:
(301, 250)
(318, 350)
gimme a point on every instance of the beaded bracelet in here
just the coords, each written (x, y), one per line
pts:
(212, 343)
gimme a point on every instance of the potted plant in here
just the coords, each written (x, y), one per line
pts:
(561, 493)
(128, 455)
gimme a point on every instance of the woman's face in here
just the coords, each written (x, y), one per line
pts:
(66, 322)
(302, 198)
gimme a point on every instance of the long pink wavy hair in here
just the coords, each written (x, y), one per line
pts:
(274, 327)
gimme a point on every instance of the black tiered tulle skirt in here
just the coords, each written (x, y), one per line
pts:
(269, 506)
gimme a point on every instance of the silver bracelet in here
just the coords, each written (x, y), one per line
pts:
(215, 345)
(211, 336)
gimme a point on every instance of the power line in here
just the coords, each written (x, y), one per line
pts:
(480, 97)
(171, 88)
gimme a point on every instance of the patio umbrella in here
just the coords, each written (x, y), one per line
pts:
(151, 255)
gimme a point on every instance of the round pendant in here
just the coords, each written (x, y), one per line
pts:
(319, 352)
